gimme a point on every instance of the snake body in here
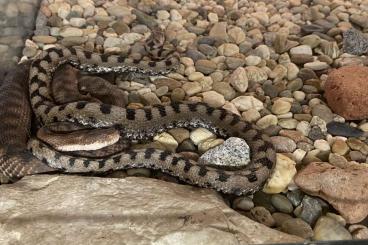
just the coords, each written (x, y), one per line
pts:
(15, 113)
(142, 124)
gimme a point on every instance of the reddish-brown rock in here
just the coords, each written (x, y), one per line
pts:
(346, 91)
(345, 189)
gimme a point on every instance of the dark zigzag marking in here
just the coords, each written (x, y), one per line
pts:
(105, 108)
(164, 155)
(148, 153)
(187, 165)
(222, 176)
(148, 113)
(161, 110)
(130, 114)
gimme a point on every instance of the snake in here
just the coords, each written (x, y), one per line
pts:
(144, 123)
(15, 125)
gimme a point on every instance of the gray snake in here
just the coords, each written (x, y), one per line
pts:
(142, 124)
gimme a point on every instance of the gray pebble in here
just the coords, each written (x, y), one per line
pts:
(323, 112)
(310, 210)
(283, 144)
(186, 145)
(355, 42)
(243, 203)
(263, 199)
(281, 203)
(207, 50)
(357, 156)
(195, 55)
(295, 197)
(343, 129)
(316, 133)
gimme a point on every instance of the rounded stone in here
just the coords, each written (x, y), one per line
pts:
(228, 49)
(281, 203)
(167, 140)
(346, 92)
(205, 66)
(280, 107)
(243, 203)
(201, 134)
(263, 216)
(322, 145)
(213, 99)
(267, 121)
(192, 88)
(244, 103)
(297, 227)
(327, 228)
(283, 144)
(239, 80)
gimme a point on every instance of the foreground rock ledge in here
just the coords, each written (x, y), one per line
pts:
(60, 209)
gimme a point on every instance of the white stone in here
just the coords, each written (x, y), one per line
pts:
(111, 42)
(245, 102)
(228, 49)
(71, 32)
(77, 22)
(322, 145)
(212, 17)
(298, 155)
(130, 38)
(239, 79)
(252, 60)
(303, 127)
(163, 15)
(301, 50)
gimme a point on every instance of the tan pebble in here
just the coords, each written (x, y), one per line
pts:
(201, 134)
(280, 107)
(340, 147)
(167, 140)
(195, 76)
(251, 115)
(267, 121)
(213, 99)
(208, 144)
(192, 88)
(244, 103)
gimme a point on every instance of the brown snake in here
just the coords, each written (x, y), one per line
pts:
(135, 124)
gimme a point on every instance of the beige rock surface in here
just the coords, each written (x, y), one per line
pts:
(63, 209)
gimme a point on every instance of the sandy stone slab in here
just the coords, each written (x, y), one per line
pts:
(87, 210)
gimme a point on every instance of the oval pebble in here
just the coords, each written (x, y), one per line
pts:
(281, 203)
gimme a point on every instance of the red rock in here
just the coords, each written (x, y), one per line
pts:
(345, 189)
(346, 91)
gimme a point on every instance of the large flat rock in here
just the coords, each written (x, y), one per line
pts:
(61, 209)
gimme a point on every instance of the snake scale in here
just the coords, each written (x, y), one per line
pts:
(142, 124)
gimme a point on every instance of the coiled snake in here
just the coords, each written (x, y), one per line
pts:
(140, 124)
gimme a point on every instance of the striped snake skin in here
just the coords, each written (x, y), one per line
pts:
(143, 123)
(15, 125)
